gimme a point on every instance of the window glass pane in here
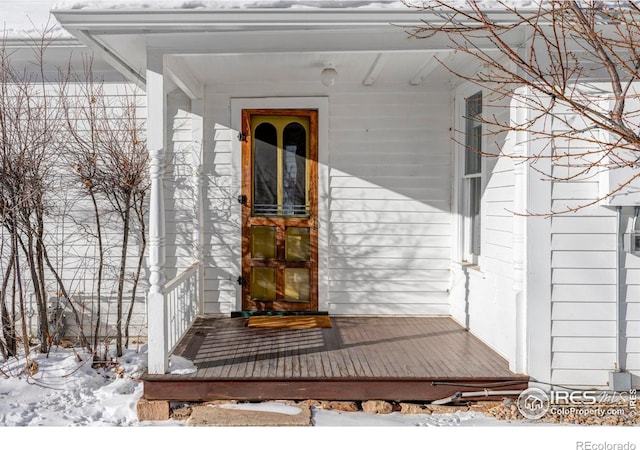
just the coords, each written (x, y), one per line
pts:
(475, 197)
(263, 242)
(473, 134)
(265, 170)
(297, 244)
(294, 163)
(296, 285)
(263, 283)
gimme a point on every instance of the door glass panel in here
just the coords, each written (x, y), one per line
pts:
(263, 283)
(296, 285)
(265, 170)
(294, 163)
(263, 242)
(297, 244)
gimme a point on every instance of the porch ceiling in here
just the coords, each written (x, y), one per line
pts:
(298, 41)
(366, 68)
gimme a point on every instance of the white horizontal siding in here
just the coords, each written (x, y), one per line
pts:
(70, 236)
(585, 378)
(339, 263)
(363, 215)
(179, 186)
(390, 236)
(583, 259)
(583, 264)
(222, 221)
(582, 311)
(584, 276)
(582, 293)
(579, 345)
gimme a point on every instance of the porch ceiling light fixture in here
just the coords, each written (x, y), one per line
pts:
(328, 75)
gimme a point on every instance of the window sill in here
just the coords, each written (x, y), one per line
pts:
(471, 269)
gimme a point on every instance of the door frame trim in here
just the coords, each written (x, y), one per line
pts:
(321, 104)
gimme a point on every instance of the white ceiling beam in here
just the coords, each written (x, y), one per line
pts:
(429, 66)
(375, 69)
(183, 78)
(112, 58)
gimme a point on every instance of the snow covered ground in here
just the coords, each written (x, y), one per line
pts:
(63, 390)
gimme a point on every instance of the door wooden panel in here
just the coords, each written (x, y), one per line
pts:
(280, 209)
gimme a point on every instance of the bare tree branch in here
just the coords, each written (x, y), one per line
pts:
(580, 61)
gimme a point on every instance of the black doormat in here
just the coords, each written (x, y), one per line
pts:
(278, 313)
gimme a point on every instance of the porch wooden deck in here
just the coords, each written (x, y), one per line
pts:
(359, 358)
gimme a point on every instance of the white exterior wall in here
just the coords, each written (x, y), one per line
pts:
(584, 305)
(384, 189)
(488, 305)
(583, 248)
(390, 237)
(484, 296)
(76, 251)
(222, 224)
(583, 270)
(73, 247)
(179, 188)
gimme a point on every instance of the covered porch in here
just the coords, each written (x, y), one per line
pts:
(385, 200)
(358, 358)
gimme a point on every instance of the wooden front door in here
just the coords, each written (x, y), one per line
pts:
(279, 210)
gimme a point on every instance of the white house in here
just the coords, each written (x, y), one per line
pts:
(307, 159)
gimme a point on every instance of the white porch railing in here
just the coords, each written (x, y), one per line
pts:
(182, 304)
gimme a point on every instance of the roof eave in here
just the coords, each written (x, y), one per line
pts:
(167, 20)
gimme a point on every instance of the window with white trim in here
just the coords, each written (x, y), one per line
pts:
(471, 194)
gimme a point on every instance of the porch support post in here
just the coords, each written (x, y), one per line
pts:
(519, 248)
(538, 252)
(197, 126)
(158, 357)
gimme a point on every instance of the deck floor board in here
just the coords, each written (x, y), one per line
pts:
(355, 347)
(359, 355)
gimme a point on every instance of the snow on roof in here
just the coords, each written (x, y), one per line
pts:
(271, 4)
(29, 17)
(227, 4)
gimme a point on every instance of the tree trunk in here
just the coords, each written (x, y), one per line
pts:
(8, 322)
(43, 325)
(143, 247)
(40, 282)
(126, 213)
(96, 212)
(23, 315)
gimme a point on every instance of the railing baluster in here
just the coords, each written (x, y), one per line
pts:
(181, 294)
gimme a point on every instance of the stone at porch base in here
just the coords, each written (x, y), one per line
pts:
(377, 407)
(217, 416)
(152, 410)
